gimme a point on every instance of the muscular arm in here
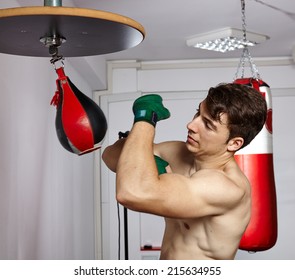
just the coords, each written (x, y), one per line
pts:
(140, 188)
(136, 169)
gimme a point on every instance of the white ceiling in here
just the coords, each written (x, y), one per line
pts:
(168, 23)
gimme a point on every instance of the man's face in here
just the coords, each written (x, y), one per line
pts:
(205, 135)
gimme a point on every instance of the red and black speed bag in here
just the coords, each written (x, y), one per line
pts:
(80, 123)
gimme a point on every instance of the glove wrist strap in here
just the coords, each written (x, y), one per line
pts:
(147, 116)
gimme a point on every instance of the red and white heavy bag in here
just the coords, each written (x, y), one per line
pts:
(256, 161)
(80, 123)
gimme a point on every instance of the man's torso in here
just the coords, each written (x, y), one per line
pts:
(210, 237)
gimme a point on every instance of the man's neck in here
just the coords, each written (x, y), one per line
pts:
(213, 162)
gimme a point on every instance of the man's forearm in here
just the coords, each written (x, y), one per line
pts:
(137, 169)
(137, 173)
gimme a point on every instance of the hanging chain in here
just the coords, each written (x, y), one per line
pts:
(245, 53)
(244, 21)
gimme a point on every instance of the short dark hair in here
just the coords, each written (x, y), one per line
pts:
(245, 107)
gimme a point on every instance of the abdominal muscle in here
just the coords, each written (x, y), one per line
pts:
(197, 239)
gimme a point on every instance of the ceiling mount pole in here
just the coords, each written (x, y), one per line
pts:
(53, 3)
(53, 42)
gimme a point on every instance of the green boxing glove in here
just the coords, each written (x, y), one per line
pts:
(149, 108)
(161, 165)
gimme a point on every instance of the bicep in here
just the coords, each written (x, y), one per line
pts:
(202, 195)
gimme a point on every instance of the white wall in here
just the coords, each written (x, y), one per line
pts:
(46, 193)
(177, 77)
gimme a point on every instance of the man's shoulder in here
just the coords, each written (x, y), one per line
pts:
(168, 147)
(222, 182)
(171, 143)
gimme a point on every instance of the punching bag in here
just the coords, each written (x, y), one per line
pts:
(256, 161)
(80, 123)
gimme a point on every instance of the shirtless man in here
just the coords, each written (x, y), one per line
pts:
(204, 197)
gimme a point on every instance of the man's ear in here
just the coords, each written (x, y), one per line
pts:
(235, 144)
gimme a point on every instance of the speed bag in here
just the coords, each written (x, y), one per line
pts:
(80, 123)
(256, 161)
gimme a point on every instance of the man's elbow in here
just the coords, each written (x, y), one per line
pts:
(128, 198)
(121, 198)
(104, 156)
(125, 199)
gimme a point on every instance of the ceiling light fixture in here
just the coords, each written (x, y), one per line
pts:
(226, 39)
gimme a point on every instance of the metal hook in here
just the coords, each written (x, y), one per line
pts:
(57, 59)
(53, 50)
(53, 43)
